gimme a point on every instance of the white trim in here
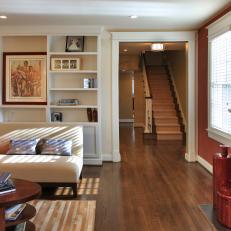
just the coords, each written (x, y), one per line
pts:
(205, 164)
(220, 26)
(183, 36)
(50, 30)
(126, 120)
(177, 95)
(219, 136)
(92, 162)
(196, 98)
(107, 157)
(215, 29)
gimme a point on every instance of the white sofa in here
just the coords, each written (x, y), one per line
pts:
(44, 169)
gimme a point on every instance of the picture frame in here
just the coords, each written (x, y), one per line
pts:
(74, 43)
(65, 64)
(24, 78)
(56, 116)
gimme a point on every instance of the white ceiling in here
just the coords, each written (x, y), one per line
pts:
(113, 14)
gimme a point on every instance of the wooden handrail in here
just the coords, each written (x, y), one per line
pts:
(148, 99)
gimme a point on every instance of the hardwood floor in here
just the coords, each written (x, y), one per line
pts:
(152, 189)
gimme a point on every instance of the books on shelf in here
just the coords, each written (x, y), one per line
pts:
(20, 227)
(89, 83)
(7, 187)
(12, 213)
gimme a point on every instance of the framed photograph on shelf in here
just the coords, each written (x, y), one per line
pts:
(65, 64)
(56, 116)
(24, 78)
(74, 43)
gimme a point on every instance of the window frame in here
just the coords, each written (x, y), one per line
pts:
(216, 29)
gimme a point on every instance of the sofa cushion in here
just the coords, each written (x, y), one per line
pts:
(22, 147)
(54, 147)
(43, 168)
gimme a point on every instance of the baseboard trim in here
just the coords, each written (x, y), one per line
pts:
(97, 162)
(205, 164)
(107, 157)
(126, 120)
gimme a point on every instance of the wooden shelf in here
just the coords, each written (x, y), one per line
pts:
(73, 89)
(88, 124)
(79, 71)
(74, 107)
(72, 53)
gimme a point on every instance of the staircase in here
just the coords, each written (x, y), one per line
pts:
(165, 116)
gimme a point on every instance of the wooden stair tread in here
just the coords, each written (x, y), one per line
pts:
(169, 132)
(167, 124)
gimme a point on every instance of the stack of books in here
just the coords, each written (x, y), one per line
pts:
(12, 213)
(6, 184)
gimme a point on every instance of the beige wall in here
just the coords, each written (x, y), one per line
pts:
(178, 63)
(129, 62)
(139, 103)
(125, 96)
(25, 44)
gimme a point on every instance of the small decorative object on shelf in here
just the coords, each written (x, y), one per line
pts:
(56, 116)
(65, 64)
(89, 114)
(92, 114)
(68, 102)
(74, 43)
(89, 83)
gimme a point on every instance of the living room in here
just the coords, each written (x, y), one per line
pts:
(60, 137)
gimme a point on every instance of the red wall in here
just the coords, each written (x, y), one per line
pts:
(206, 146)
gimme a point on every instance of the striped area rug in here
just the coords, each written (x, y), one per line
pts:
(64, 215)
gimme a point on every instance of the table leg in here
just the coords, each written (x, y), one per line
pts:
(2, 218)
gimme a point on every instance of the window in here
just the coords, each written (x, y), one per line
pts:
(220, 86)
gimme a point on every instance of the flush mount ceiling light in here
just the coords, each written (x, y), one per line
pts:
(133, 16)
(157, 47)
(125, 50)
(3, 16)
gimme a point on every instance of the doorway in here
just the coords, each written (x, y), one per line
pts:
(189, 37)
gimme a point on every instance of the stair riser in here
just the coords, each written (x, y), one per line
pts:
(168, 128)
(169, 137)
(164, 113)
(166, 120)
(163, 107)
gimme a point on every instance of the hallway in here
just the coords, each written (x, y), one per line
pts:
(152, 189)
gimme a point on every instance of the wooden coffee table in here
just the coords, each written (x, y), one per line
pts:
(25, 191)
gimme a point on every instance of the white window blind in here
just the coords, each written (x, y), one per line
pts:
(220, 83)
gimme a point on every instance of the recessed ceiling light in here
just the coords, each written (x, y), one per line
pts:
(3, 16)
(157, 47)
(125, 50)
(133, 16)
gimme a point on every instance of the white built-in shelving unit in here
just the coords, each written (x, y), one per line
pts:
(61, 85)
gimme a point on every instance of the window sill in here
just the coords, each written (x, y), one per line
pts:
(219, 136)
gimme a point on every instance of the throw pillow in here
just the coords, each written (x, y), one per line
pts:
(55, 147)
(24, 147)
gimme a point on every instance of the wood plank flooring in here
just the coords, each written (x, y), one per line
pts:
(152, 189)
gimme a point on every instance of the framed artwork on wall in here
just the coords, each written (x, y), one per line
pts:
(74, 43)
(24, 78)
